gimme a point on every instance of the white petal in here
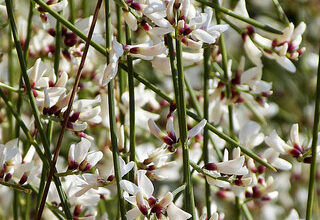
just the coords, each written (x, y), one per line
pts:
(252, 51)
(204, 36)
(197, 129)
(231, 167)
(109, 73)
(144, 183)
(129, 187)
(175, 213)
(81, 150)
(274, 141)
(286, 63)
(294, 134)
(133, 213)
(281, 164)
(59, 6)
(94, 157)
(131, 20)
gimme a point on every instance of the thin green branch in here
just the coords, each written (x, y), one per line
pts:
(190, 206)
(282, 15)
(16, 187)
(112, 119)
(132, 140)
(10, 88)
(314, 145)
(206, 67)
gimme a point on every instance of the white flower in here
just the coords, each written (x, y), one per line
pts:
(80, 158)
(144, 202)
(8, 152)
(111, 69)
(236, 166)
(171, 137)
(249, 135)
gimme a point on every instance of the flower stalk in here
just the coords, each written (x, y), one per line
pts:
(112, 119)
(314, 145)
(206, 65)
(132, 140)
(190, 207)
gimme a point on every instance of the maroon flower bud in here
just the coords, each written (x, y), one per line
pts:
(74, 117)
(136, 6)
(307, 160)
(248, 194)
(70, 39)
(134, 50)
(261, 169)
(145, 25)
(110, 178)
(256, 192)
(52, 32)
(73, 165)
(295, 152)
(152, 200)
(23, 179)
(210, 166)
(77, 210)
(8, 177)
(250, 30)
(238, 182)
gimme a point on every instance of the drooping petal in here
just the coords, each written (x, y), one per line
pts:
(197, 129)
(145, 183)
(232, 167)
(175, 213)
(81, 150)
(129, 187)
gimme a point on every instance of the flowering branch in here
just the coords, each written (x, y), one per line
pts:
(67, 113)
(237, 16)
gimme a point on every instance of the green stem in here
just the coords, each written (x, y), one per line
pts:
(27, 207)
(246, 212)
(238, 208)
(131, 105)
(121, 75)
(190, 206)
(206, 65)
(85, 8)
(112, 120)
(10, 88)
(174, 72)
(251, 21)
(312, 175)
(72, 11)
(15, 202)
(29, 31)
(10, 77)
(33, 104)
(16, 187)
(282, 15)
